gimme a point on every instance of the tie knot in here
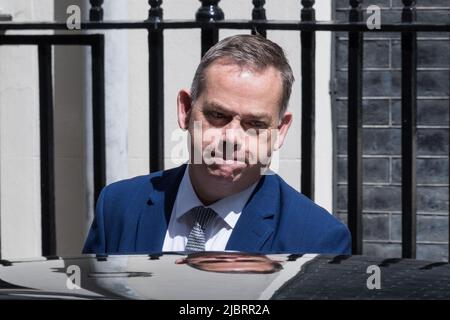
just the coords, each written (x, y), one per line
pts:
(203, 216)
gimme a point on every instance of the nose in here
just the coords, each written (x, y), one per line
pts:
(232, 137)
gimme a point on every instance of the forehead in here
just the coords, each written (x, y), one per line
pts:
(243, 88)
(223, 72)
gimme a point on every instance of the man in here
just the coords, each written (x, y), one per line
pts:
(224, 199)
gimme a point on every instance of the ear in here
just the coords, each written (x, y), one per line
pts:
(283, 128)
(184, 108)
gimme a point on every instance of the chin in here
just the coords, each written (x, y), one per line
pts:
(227, 172)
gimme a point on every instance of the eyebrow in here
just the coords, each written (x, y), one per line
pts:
(216, 107)
(262, 116)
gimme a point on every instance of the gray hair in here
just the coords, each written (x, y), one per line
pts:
(252, 51)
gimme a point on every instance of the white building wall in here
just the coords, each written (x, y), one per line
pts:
(72, 108)
(324, 124)
(20, 204)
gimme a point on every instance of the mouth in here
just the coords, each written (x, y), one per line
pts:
(227, 168)
(233, 159)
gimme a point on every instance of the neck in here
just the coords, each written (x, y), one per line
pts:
(205, 196)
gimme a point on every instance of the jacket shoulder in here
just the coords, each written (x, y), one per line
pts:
(117, 211)
(122, 193)
(130, 184)
(127, 184)
(123, 188)
(317, 230)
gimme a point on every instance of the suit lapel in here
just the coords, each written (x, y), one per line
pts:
(155, 214)
(250, 234)
(256, 223)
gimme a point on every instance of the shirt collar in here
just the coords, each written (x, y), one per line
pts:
(228, 208)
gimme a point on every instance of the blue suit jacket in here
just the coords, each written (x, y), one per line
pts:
(132, 216)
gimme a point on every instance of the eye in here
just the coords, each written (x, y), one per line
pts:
(217, 115)
(257, 124)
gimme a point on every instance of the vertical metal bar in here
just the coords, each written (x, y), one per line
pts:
(208, 12)
(3, 17)
(98, 113)
(156, 89)
(259, 13)
(308, 62)
(354, 132)
(47, 151)
(409, 99)
(96, 12)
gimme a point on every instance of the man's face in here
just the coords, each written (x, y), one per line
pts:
(234, 123)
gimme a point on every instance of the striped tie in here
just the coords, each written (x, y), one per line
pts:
(196, 239)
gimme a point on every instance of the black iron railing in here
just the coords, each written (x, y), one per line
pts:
(44, 44)
(210, 19)
(355, 63)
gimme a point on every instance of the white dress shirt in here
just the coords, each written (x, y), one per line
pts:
(219, 229)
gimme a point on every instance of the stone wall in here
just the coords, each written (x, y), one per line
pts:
(382, 132)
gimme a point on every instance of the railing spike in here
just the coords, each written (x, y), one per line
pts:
(96, 12)
(155, 13)
(209, 11)
(259, 13)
